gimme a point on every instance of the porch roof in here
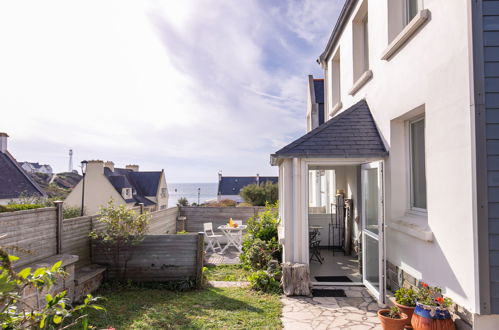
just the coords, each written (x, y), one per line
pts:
(351, 134)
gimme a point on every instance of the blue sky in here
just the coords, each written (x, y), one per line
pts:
(192, 87)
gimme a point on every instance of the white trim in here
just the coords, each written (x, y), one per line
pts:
(412, 209)
(363, 79)
(407, 32)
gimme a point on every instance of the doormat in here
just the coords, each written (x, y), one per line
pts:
(333, 279)
(328, 293)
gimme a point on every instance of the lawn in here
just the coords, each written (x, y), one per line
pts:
(212, 308)
(227, 273)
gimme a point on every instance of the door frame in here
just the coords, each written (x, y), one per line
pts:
(381, 293)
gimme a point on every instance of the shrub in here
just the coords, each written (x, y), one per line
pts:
(244, 204)
(123, 228)
(19, 207)
(71, 212)
(260, 194)
(257, 253)
(264, 281)
(182, 201)
(264, 225)
(222, 203)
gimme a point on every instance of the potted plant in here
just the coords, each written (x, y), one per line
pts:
(431, 310)
(405, 300)
(392, 319)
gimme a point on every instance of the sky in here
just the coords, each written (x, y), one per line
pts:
(191, 87)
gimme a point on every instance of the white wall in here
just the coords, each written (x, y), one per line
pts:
(431, 70)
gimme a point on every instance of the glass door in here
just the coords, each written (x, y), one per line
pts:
(373, 257)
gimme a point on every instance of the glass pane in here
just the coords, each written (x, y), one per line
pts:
(412, 9)
(372, 261)
(371, 201)
(418, 165)
(366, 45)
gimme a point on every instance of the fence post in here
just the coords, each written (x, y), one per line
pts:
(141, 206)
(199, 259)
(181, 223)
(58, 230)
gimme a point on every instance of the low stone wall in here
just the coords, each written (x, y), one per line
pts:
(156, 258)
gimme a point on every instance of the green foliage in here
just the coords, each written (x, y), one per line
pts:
(182, 201)
(71, 212)
(257, 253)
(406, 297)
(264, 225)
(394, 312)
(19, 207)
(260, 194)
(226, 273)
(57, 313)
(264, 281)
(123, 228)
(222, 203)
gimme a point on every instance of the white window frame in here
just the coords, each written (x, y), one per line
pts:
(406, 13)
(412, 208)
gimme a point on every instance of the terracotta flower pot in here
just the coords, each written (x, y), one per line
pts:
(392, 324)
(407, 310)
(431, 318)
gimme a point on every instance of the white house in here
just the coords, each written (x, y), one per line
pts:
(36, 167)
(128, 185)
(411, 141)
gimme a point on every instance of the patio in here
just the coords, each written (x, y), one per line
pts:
(357, 311)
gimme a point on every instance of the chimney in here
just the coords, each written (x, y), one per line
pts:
(134, 168)
(110, 165)
(219, 176)
(258, 179)
(3, 142)
(95, 167)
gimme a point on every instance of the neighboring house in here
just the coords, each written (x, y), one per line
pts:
(230, 186)
(124, 185)
(36, 167)
(315, 104)
(15, 183)
(412, 138)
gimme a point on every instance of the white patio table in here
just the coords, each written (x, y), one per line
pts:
(234, 236)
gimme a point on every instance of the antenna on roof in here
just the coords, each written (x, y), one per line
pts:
(70, 167)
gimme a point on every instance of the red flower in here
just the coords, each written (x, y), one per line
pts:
(424, 284)
(440, 300)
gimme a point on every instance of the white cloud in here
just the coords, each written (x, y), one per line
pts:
(188, 86)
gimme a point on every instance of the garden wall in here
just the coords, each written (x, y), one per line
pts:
(196, 216)
(157, 258)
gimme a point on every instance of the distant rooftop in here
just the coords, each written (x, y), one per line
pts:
(232, 185)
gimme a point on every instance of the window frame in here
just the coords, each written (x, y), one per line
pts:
(407, 11)
(412, 208)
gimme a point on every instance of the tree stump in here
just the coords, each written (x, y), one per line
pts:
(295, 279)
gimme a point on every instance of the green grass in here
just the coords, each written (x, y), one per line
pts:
(213, 308)
(227, 273)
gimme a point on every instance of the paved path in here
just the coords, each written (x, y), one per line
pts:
(230, 257)
(228, 284)
(356, 312)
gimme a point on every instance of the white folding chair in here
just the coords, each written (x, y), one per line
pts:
(211, 237)
(239, 233)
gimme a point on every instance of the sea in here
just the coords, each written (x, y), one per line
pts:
(207, 192)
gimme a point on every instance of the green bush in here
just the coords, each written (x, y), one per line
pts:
(71, 212)
(257, 253)
(19, 207)
(406, 297)
(182, 201)
(260, 194)
(264, 281)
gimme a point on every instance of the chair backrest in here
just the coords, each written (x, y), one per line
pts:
(239, 222)
(208, 228)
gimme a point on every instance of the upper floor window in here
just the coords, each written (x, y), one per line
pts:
(417, 163)
(411, 8)
(360, 29)
(336, 81)
(163, 192)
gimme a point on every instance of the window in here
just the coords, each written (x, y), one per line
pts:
(417, 163)
(336, 82)
(163, 192)
(411, 8)
(365, 31)
(360, 39)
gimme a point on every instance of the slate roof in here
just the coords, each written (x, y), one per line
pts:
(231, 185)
(319, 90)
(142, 183)
(14, 181)
(352, 133)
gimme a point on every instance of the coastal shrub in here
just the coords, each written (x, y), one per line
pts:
(182, 201)
(260, 194)
(69, 212)
(257, 253)
(264, 281)
(222, 203)
(19, 207)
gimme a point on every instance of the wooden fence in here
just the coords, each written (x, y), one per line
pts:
(156, 258)
(196, 216)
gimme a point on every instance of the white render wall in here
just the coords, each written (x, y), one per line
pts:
(431, 72)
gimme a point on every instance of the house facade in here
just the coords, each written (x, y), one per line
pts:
(15, 183)
(36, 168)
(229, 187)
(124, 185)
(410, 140)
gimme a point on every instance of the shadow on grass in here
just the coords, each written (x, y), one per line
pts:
(140, 308)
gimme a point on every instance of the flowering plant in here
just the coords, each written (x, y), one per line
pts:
(432, 296)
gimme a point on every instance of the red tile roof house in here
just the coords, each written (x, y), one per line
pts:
(411, 138)
(15, 183)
